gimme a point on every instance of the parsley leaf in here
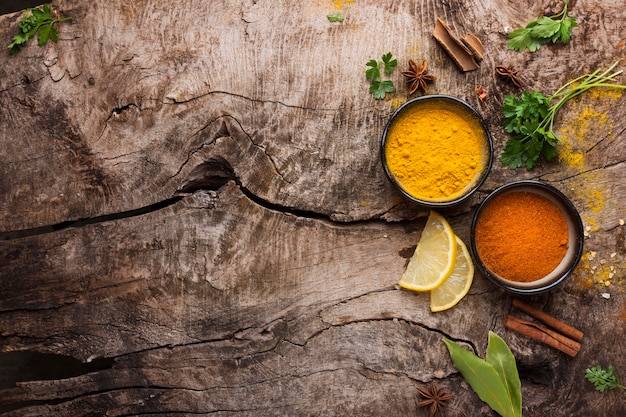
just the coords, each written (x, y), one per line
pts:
(529, 118)
(390, 64)
(38, 22)
(373, 73)
(335, 17)
(603, 379)
(379, 88)
(542, 31)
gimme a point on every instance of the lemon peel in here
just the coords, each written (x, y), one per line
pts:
(434, 258)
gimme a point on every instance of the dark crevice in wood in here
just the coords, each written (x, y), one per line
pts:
(25, 81)
(35, 366)
(604, 138)
(282, 209)
(51, 402)
(116, 111)
(210, 175)
(18, 234)
(11, 6)
(579, 173)
(122, 109)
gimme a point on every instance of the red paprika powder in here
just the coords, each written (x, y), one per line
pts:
(521, 236)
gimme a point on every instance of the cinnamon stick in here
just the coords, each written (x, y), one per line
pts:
(460, 54)
(542, 334)
(473, 43)
(563, 328)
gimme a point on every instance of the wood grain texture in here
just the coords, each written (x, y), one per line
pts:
(275, 293)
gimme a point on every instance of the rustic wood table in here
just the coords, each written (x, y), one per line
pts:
(269, 285)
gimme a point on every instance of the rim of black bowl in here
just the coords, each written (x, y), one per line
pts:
(439, 204)
(571, 212)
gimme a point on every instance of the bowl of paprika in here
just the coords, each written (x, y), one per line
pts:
(526, 237)
(436, 150)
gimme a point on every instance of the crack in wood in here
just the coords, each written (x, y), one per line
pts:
(18, 234)
(25, 81)
(25, 366)
(58, 401)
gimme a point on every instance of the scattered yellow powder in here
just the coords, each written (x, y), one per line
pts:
(602, 93)
(599, 270)
(581, 132)
(575, 134)
(578, 134)
(339, 3)
(396, 102)
(596, 201)
(569, 156)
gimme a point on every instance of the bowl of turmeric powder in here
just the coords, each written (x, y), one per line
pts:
(436, 150)
(526, 237)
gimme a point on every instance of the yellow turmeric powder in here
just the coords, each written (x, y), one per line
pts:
(436, 150)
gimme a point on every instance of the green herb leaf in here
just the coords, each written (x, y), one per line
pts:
(523, 119)
(390, 64)
(43, 34)
(529, 118)
(501, 358)
(335, 17)
(544, 30)
(485, 379)
(545, 27)
(54, 36)
(38, 22)
(388, 86)
(603, 379)
(373, 73)
(380, 88)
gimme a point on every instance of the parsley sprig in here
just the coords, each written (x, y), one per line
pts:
(38, 22)
(544, 30)
(529, 118)
(335, 17)
(603, 379)
(380, 87)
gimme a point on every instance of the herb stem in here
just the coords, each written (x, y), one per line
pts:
(530, 118)
(571, 90)
(562, 13)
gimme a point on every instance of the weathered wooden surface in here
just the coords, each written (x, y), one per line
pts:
(275, 293)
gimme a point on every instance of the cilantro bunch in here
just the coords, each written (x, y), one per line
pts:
(38, 22)
(544, 30)
(529, 118)
(380, 87)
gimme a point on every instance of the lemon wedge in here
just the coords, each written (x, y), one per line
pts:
(454, 287)
(434, 257)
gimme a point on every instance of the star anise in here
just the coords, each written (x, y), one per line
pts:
(416, 76)
(435, 398)
(509, 73)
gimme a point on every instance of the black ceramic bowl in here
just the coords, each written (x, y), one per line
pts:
(572, 254)
(467, 113)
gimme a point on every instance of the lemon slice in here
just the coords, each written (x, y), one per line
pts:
(454, 287)
(434, 257)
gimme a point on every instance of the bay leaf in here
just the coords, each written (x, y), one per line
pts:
(501, 358)
(482, 377)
